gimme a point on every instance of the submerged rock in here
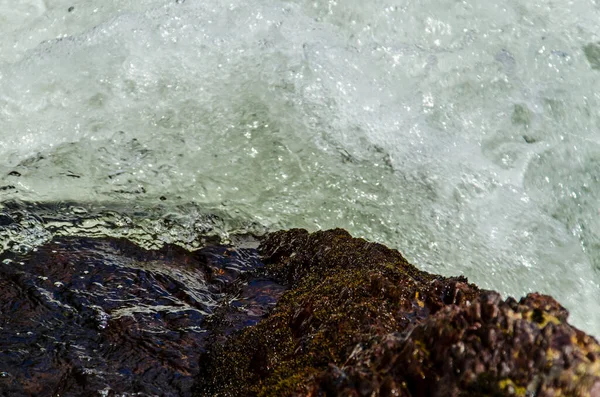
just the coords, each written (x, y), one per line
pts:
(359, 320)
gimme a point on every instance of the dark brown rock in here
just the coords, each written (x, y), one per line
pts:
(490, 347)
(319, 314)
(361, 321)
(82, 316)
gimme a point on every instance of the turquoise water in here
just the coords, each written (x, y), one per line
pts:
(465, 134)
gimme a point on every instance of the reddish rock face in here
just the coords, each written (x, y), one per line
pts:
(82, 316)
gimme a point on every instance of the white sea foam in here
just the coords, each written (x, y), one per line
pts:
(466, 135)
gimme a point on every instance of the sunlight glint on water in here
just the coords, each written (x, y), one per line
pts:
(464, 134)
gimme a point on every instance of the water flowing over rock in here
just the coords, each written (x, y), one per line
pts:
(319, 314)
(84, 316)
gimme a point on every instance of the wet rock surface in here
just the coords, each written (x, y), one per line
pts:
(359, 320)
(82, 317)
(320, 314)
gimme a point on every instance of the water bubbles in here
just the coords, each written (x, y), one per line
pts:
(186, 104)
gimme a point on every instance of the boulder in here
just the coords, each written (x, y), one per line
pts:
(319, 314)
(359, 320)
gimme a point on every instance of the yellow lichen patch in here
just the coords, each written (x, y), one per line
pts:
(542, 318)
(419, 301)
(586, 342)
(421, 347)
(514, 315)
(509, 387)
(588, 368)
(551, 356)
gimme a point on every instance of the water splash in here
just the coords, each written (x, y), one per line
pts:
(464, 135)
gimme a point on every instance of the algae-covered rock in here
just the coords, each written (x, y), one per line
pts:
(317, 314)
(488, 348)
(359, 320)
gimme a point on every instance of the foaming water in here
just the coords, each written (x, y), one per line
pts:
(465, 135)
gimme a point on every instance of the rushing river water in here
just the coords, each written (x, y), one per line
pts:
(465, 134)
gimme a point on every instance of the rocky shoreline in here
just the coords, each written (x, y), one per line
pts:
(303, 314)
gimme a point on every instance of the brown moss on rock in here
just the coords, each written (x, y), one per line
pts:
(488, 348)
(359, 320)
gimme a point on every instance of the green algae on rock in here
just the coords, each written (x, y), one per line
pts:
(359, 320)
